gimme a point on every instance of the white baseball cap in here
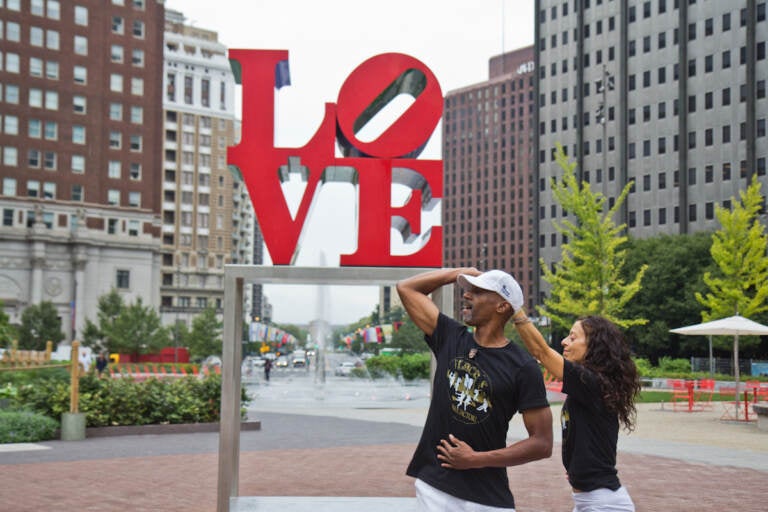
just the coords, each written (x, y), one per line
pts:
(496, 281)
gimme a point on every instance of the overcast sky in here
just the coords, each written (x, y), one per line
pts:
(326, 41)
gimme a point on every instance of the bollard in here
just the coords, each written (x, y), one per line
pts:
(73, 426)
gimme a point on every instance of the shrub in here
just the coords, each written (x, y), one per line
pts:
(125, 401)
(669, 365)
(415, 366)
(383, 366)
(644, 367)
(26, 427)
(409, 366)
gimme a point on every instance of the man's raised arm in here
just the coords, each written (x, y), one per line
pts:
(414, 294)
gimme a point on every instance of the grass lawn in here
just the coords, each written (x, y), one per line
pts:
(651, 396)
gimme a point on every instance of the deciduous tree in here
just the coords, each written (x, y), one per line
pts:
(204, 339)
(587, 280)
(40, 323)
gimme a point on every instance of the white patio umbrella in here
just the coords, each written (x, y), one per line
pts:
(731, 326)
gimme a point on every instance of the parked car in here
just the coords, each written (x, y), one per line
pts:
(344, 369)
(299, 359)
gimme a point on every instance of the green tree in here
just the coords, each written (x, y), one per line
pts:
(587, 280)
(7, 331)
(110, 306)
(740, 251)
(40, 323)
(676, 264)
(205, 337)
(136, 330)
(740, 283)
(409, 338)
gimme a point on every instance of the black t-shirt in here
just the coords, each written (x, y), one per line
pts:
(590, 432)
(474, 399)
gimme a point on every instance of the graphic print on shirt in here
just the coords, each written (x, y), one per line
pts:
(565, 420)
(470, 391)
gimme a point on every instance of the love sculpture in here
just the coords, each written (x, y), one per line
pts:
(372, 167)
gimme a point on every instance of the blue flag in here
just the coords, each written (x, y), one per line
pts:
(282, 74)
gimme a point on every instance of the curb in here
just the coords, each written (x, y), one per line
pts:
(179, 428)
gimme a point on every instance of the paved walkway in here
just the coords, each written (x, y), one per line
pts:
(674, 461)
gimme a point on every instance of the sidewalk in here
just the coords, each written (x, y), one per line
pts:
(674, 462)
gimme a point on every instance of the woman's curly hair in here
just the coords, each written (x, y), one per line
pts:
(609, 357)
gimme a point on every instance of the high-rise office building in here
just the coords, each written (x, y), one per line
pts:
(487, 146)
(667, 94)
(207, 218)
(80, 149)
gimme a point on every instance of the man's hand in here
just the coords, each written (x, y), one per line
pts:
(455, 454)
(516, 299)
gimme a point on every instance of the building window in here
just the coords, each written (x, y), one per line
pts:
(52, 39)
(49, 160)
(12, 64)
(33, 188)
(9, 187)
(123, 279)
(137, 115)
(136, 142)
(116, 111)
(12, 94)
(137, 58)
(35, 67)
(137, 86)
(113, 169)
(13, 31)
(35, 129)
(118, 25)
(36, 36)
(10, 125)
(80, 75)
(10, 156)
(77, 193)
(51, 130)
(134, 199)
(138, 29)
(81, 45)
(78, 164)
(79, 104)
(81, 16)
(116, 82)
(51, 100)
(52, 70)
(188, 89)
(116, 53)
(205, 92)
(33, 158)
(113, 197)
(35, 98)
(115, 140)
(49, 190)
(135, 172)
(78, 134)
(170, 88)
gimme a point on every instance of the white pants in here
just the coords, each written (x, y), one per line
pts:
(435, 500)
(603, 500)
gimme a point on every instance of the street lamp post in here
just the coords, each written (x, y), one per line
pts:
(176, 325)
(603, 85)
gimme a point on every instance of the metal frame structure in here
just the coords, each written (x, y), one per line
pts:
(235, 276)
